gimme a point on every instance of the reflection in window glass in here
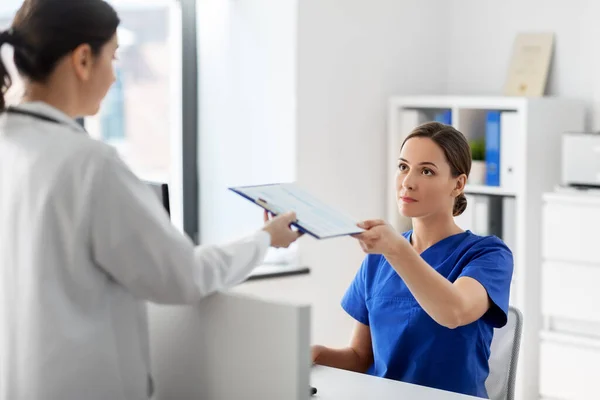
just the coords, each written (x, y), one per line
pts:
(112, 114)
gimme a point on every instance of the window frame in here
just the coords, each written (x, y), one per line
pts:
(189, 121)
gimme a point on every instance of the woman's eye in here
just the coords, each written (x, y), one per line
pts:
(427, 172)
(402, 167)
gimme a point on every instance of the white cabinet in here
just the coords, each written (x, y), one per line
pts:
(570, 278)
(570, 291)
(571, 222)
(569, 367)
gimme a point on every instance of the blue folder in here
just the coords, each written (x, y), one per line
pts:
(492, 148)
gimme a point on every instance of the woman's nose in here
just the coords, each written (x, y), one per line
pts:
(410, 181)
(406, 181)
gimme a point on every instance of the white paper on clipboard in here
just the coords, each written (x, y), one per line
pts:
(314, 217)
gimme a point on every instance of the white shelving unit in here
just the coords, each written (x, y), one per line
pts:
(490, 190)
(541, 121)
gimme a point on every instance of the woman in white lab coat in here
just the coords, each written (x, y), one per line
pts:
(83, 243)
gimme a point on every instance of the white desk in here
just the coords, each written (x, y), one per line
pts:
(230, 347)
(336, 384)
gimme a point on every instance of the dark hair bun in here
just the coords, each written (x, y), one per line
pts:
(460, 205)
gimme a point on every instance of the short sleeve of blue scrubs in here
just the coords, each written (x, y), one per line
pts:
(408, 345)
(490, 266)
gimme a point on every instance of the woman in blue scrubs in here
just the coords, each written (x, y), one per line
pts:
(426, 301)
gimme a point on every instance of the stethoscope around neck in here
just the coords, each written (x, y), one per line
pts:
(31, 114)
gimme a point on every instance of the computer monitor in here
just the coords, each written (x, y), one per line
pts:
(162, 191)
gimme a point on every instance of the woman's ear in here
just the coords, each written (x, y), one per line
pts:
(461, 182)
(82, 60)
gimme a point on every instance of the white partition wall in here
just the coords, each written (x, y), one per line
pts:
(231, 347)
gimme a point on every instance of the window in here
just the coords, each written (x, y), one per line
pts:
(140, 115)
(8, 8)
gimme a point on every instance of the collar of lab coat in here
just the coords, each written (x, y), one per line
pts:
(42, 108)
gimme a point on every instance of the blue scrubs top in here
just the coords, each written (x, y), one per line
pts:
(408, 345)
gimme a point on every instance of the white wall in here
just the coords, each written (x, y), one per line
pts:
(481, 34)
(247, 67)
(352, 55)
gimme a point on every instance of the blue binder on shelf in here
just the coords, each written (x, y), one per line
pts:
(492, 148)
(445, 117)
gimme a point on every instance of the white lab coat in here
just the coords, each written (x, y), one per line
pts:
(83, 243)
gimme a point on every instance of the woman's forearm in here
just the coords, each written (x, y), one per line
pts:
(345, 358)
(436, 295)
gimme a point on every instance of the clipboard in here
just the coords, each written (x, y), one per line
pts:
(314, 217)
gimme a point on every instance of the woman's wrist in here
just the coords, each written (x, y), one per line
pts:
(398, 249)
(316, 351)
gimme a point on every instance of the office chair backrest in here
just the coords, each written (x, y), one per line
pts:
(504, 356)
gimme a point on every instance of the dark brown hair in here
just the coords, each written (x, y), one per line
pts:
(44, 31)
(456, 149)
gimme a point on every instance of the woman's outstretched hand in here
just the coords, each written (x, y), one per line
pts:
(379, 238)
